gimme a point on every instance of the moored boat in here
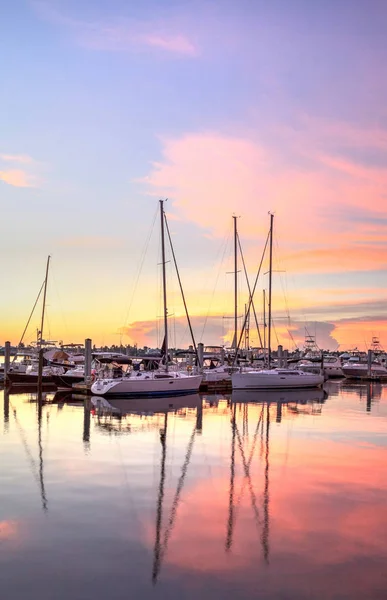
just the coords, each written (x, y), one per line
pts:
(142, 383)
(360, 371)
(275, 379)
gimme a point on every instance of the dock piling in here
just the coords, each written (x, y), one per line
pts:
(200, 354)
(7, 360)
(87, 360)
(369, 363)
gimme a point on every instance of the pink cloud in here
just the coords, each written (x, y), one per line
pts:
(121, 34)
(209, 177)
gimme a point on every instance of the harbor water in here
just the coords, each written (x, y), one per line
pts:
(258, 495)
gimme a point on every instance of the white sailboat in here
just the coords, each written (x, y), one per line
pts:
(151, 383)
(274, 378)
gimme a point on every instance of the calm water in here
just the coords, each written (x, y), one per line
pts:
(273, 496)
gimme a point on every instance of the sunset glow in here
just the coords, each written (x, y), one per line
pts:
(224, 110)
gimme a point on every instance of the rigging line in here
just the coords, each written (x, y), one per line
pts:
(59, 300)
(29, 319)
(248, 476)
(251, 297)
(225, 242)
(181, 289)
(249, 288)
(142, 258)
(176, 500)
(275, 330)
(281, 280)
(250, 457)
(230, 521)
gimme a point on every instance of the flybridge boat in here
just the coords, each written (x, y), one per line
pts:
(358, 370)
(161, 381)
(332, 366)
(275, 379)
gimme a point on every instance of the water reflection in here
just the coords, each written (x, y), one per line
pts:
(255, 495)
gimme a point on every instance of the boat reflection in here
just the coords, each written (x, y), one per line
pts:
(121, 407)
(273, 396)
(307, 401)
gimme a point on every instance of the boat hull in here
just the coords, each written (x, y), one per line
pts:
(361, 371)
(27, 379)
(131, 386)
(256, 380)
(66, 381)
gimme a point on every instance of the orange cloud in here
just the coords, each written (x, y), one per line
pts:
(358, 332)
(18, 158)
(355, 257)
(17, 178)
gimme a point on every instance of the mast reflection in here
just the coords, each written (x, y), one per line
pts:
(160, 549)
(266, 495)
(40, 446)
(230, 522)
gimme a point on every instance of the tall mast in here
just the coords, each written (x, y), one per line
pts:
(270, 278)
(235, 282)
(264, 326)
(164, 284)
(44, 301)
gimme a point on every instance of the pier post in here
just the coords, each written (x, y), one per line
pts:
(369, 362)
(40, 373)
(200, 354)
(369, 396)
(7, 360)
(278, 417)
(190, 356)
(222, 356)
(87, 360)
(285, 359)
(279, 354)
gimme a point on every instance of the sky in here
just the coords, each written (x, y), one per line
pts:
(225, 109)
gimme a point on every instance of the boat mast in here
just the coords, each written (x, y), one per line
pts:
(270, 290)
(164, 284)
(264, 326)
(235, 282)
(44, 303)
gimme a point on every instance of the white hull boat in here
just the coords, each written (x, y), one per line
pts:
(332, 367)
(360, 371)
(275, 379)
(148, 384)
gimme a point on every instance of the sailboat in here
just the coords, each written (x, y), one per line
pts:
(151, 383)
(30, 375)
(274, 378)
